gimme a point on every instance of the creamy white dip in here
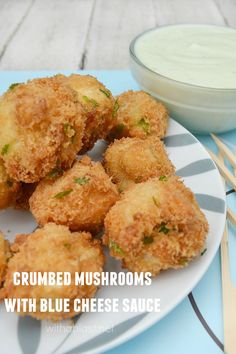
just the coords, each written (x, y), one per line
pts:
(200, 55)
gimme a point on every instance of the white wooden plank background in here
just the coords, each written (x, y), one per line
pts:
(187, 11)
(113, 26)
(91, 34)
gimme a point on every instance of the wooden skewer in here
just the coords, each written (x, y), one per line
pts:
(231, 216)
(229, 297)
(225, 150)
(228, 291)
(223, 169)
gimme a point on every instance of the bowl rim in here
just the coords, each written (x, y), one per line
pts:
(181, 83)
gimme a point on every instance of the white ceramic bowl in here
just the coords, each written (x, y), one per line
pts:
(199, 109)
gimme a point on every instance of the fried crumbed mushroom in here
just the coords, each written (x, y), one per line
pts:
(5, 255)
(42, 125)
(80, 198)
(98, 104)
(135, 160)
(9, 188)
(54, 249)
(156, 225)
(137, 114)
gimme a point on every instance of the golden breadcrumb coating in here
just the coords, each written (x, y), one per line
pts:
(137, 114)
(8, 188)
(54, 249)
(135, 160)
(98, 104)
(42, 125)
(5, 255)
(156, 225)
(79, 199)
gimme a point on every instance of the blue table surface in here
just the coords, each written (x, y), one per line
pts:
(184, 330)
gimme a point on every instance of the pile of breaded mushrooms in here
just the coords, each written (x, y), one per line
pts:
(144, 214)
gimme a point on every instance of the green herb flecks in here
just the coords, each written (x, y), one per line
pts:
(115, 109)
(163, 228)
(90, 100)
(163, 178)
(155, 201)
(63, 194)
(82, 180)
(144, 125)
(69, 132)
(67, 245)
(116, 248)
(106, 93)
(12, 86)
(183, 261)
(5, 149)
(67, 127)
(56, 172)
(147, 240)
(204, 251)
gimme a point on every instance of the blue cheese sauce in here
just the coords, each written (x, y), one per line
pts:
(200, 55)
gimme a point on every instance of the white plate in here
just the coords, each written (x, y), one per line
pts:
(91, 333)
